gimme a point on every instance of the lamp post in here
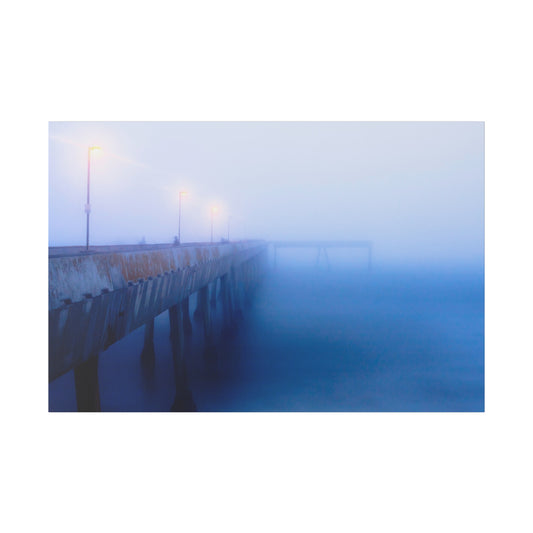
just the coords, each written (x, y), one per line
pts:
(182, 193)
(88, 204)
(214, 210)
(229, 220)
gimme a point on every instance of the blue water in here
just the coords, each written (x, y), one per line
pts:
(320, 340)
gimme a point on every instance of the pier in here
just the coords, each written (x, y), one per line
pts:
(96, 298)
(322, 248)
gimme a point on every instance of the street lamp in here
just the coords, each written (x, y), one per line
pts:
(229, 220)
(88, 204)
(182, 193)
(214, 210)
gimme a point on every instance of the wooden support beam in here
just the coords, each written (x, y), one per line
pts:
(213, 294)
(210, 354)
(187, 324)
(148, 352)
(228, 315)
(86, 383)
(183, 400)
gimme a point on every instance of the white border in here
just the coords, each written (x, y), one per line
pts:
(268, 61)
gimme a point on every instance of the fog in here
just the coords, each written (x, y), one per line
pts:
(312, 338)
(416, 189)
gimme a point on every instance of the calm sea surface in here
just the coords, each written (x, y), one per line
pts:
(318, 340)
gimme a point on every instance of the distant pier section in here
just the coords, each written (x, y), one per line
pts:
(322, 247)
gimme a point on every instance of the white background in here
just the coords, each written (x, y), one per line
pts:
(266, 61)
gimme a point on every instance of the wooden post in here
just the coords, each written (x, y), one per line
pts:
(225, 294)
(236, 293)
(213, 298)
(187, 325)
(86, 382)
(198, 312)
(148, 353)
(209, 347)
(183, 400)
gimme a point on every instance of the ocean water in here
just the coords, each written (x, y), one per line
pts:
(317, 339)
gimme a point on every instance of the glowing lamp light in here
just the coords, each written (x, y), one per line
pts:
(95, 150)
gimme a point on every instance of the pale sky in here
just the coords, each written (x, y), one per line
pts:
(414, 188)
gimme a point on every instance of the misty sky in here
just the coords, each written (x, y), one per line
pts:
(415, 189)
